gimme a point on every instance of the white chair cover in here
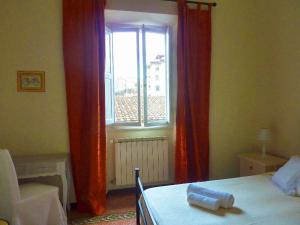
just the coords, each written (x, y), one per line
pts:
(29, 204)
(9, 188)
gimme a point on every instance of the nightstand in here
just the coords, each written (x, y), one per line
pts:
(252, 163)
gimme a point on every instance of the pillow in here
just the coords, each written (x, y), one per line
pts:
(287, 176)
(298, 187)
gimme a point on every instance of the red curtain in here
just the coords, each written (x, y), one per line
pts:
(84, 60)
(192, 119)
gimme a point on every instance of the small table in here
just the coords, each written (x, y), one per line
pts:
(253, 163)
(42, 166)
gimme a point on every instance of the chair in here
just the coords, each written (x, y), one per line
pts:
(27, 204)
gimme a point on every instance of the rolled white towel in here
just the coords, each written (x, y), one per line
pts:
(203, 201)
(226, 199)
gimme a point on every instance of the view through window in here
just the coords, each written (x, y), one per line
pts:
(137, 76)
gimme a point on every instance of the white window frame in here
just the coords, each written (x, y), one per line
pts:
(125, 28)
(109, 76)
(163, 30)
(142, 71)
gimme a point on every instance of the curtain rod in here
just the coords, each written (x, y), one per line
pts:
(195, 2)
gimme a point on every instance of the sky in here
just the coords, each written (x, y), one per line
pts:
(125, 54)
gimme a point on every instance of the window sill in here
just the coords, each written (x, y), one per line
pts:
(118, 127)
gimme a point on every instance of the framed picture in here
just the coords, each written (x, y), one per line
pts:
(31, 81)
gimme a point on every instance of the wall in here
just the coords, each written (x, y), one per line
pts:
(255, 63)
(237, 57)
(30, 39)
(131, 17)
(150, 6)
(284, 88)
(235, 92)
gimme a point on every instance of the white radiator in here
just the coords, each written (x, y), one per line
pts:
(148, 154)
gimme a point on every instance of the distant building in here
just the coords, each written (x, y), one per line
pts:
(126, 100)
(156, 77)
(125, 87)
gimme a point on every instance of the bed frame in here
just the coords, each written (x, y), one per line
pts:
(139, 197)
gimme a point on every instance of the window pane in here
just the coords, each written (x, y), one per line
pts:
(156, 77)
(108, 101)
(108, 80)
(107, 53)
(125, 76)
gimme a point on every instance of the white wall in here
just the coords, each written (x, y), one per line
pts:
(150, 6)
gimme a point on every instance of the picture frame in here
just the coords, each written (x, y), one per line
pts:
(31, 81)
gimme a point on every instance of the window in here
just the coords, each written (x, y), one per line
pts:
(135, 58)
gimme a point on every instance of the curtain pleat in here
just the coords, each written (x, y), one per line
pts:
(84, 61)
(192, 117)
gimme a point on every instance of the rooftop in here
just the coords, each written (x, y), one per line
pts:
(127, 108)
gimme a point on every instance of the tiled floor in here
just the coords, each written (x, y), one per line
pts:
(120, 200)
(117, 201)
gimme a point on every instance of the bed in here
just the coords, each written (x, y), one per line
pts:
(257, 202)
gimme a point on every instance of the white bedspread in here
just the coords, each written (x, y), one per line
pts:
(257, 202)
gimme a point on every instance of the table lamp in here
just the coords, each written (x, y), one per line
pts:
(264, 135)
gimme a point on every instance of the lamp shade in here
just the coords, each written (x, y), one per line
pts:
(264, 134)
